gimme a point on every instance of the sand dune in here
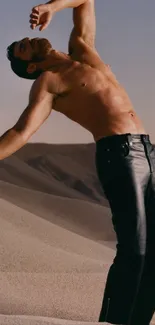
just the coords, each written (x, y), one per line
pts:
(34, 320)
(57, 270)
(56, 237)
(14, 171)
(82, 217)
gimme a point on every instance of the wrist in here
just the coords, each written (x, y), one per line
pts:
(53, 5)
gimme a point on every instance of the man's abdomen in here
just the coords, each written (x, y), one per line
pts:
(127, 122)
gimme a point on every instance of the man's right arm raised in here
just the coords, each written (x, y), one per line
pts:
(43, 13)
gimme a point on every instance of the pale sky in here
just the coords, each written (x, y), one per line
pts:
(125, 39)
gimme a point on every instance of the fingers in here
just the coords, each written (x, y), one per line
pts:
(34, 17)
(33, 26)
(40, 15)
(35, 10)
(33, 23)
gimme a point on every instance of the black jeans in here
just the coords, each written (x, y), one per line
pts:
(126, 169)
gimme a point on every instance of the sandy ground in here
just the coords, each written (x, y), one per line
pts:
(56, 237)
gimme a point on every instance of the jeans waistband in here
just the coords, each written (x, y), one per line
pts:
(120, 138)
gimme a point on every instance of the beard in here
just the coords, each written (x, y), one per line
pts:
(41, 48)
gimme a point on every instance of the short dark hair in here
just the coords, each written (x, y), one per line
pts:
(19, 66)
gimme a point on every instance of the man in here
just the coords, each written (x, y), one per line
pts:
(82, 87)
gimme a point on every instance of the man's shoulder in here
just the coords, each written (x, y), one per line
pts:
(47, 81)
(88, 55)
(42, 79)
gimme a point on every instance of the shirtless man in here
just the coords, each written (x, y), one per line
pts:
(82, 87)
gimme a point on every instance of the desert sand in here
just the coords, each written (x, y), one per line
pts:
(56, 237)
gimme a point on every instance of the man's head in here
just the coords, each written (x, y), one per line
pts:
(25, 56)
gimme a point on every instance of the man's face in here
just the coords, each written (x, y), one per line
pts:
(32, 49)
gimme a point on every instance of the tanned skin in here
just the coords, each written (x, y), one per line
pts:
(79, 84)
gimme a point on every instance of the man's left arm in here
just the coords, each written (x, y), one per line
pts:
(38, 110)
(10, 142)
(84, 29)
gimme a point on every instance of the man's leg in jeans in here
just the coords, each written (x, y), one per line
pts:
(125, 192)
(145, 304)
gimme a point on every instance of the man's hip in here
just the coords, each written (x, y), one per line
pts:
(118, 154)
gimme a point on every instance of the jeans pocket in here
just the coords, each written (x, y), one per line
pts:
(116, 153)
(110, 161)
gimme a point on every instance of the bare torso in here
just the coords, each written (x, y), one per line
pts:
(92, 97)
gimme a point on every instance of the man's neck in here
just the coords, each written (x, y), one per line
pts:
(55, 60)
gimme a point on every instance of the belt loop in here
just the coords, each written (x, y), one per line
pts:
(129, 137)
(143, 139)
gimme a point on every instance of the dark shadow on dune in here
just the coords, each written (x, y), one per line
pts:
(70, 164)
(63, 171)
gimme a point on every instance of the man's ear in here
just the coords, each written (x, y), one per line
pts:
(31, 68)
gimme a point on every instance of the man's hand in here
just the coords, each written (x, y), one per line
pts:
(41, 16)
